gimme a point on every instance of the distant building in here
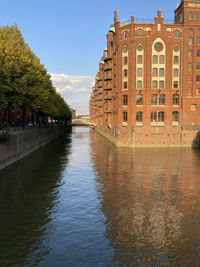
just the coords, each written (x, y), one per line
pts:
(147, 90)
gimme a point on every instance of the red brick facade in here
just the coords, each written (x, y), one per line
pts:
(147, 90)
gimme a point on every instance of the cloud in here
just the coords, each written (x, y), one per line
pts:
(75, 89)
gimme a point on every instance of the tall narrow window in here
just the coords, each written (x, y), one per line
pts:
(139, 84)
(175, 99)
(195, 16)
(161, 116)
(155, 84)
(190, 40)
(139, 116)
(175, 59)
(175, 84)
(175, 116)
(155, 72)
(125, 100)
(153, 116)
(139, 33)
(125, 60)
(161, 72)
(198, 78)
(162, 59)
(189, 53)
(125, 35)
(198, 66)
(125, 72)
(161, 84)
(125, 85)
(189, 66)
(175, 72)
(198, 40)
(139, 59)
(139, 72)
(161, 100)
(125, 117)
(190, 15)
(139, 99)
(155, 59)
(198, 53)
(154, 99)
(176, 33)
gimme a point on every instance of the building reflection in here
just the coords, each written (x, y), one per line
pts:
(150, 200)
(28, 199)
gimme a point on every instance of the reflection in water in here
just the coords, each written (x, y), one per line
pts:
(28, 200)
(81, 201)
(150, 201)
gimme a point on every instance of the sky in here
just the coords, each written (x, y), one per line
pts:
(69, 36)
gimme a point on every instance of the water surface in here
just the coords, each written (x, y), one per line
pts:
(80, 201)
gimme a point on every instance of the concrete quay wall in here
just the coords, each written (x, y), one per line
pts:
(147, 136)
(24, 143)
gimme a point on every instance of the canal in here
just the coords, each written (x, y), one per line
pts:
(80, 201)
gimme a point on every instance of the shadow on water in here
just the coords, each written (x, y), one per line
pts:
(150, 199)
(28, 197)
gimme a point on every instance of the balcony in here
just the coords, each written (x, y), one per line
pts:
(107, 88)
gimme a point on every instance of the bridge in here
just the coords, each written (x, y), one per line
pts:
(81, 122)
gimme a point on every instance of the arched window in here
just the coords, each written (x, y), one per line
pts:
(154, 116)
(125, 49)
(155, 84)
(155, 59)
(125, 35)
(161, 116)
(190, 15)
(139, 116)
(161, 72)
(161, 99)
(175, 116)
(139, 99)
(139, 33)
(195, 16)
(125, 60)
(155, 72)
(161, 84)
(125, 85)
(175, 99)
(139, 72)
(154, 99)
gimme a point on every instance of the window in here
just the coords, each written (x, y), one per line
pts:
(190, 16)
(125, 100)
(139, 59)
(125, 35)
(125, 72)
(175, 84)
(175, 116)
(139, 116)
(139, 48)
(139, 72)
(176, 99)
(139, 84)
(198, 78)
(161, 116)
(190, 31)
(189, 66)
(175, 72)
(125, 117)
(125, 85)
(155, 84)
(155, 72)
(176, 33)
(176, 49)
(155, 59)
(162, 60)
(154, 99)
(195, 16)
(198, 53)
(175, 59)
(198, 66)
(161, 99)
(125, 60)
(193, 107)
(190, 40)
(153, 116)
(161, 84)
(198, 40)
(198, 31)
(158, 47)
(189, 53)
(161, 72)
(125, 49)
(139, 99)
(139, 33)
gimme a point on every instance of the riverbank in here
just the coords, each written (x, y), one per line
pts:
(23, 143)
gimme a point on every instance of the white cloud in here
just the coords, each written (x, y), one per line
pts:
(75, 89)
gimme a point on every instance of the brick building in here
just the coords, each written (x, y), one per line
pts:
(147, 90)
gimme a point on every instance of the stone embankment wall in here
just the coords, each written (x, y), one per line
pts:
(25, 142)
(146, 136)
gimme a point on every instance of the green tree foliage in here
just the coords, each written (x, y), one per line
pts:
(23, 79)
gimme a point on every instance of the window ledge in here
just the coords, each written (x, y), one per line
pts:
(124, 107)
(124, 124)
(174, 123)
(139, 123)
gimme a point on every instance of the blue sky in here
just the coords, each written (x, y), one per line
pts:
(70, 35)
